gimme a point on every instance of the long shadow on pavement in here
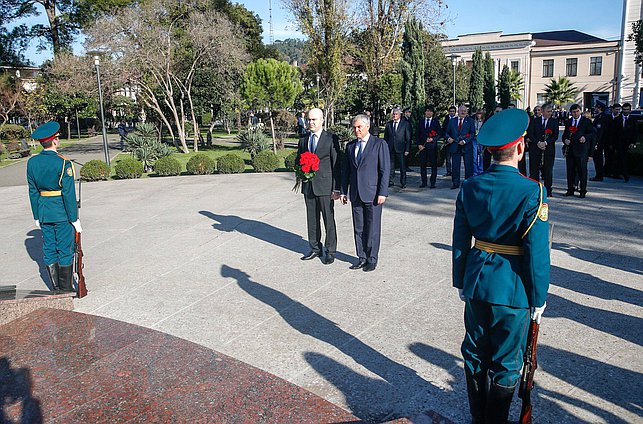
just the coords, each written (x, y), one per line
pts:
(625, 263)
(373, 400)
(33, 244)
(16, 388)
(264, 232)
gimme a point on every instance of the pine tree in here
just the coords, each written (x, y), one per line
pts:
(476, 83)
(489, 84)
(412, 64)
(504, 87)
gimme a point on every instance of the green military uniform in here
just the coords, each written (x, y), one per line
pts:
(52, 195)
(504, 273)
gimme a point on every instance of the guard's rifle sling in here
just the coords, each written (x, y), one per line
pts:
(530, 362)
(79, 277)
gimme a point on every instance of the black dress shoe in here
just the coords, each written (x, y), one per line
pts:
(309, 256)
(432, 186)
(550, 194)
(596, 179)
(369, 267)
(359, 264)
(582, 195)
(329, 259)
(422, 185)
(568, 193)
(403, 186)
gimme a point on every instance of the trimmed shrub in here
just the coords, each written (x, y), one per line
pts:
(231, 164)
(167, 166)
(200, 164)
(95, 170)
(129, 168)
(290, 161)
(13, 132)
(265, 161)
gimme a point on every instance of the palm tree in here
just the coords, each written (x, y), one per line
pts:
(560, 91)
(516, 85)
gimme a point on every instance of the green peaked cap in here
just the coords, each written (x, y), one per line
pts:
(46, 130)
(503, 128)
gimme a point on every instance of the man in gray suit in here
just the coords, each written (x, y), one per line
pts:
(365, 181)
(320, 193)
(397, 134)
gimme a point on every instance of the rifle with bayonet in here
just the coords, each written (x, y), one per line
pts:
(79, 277)
(530, 362)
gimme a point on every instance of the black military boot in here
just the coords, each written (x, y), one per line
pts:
(477, 392)
(53, 271)
(498, 403)
(65, 277)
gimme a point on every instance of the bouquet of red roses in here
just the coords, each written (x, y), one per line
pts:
(305, 170)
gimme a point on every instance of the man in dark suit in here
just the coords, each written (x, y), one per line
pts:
(624, 139)
(602, 124)
(301, 125)
(459, 136)
(323, 190)
(445, 124)
(365, 182)
(542, 135)
(610, 148)
(397, 134)
(578, 135)
(428, 133)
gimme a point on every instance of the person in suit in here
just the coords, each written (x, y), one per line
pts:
(624, 139)
(52, 196)
(602, 125)
(408, 117)
(610, 147)
(428, 133)
(365, 183)
(397, 134)
(301, 125)
(252, 119)
(445, 124)
(477, 148)
(522, 165)
(578, 135)
(459, 136)
(321, 192)
(542, 135)
(503, 278)
(486, 155)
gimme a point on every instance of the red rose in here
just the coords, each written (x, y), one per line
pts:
(548, 131)
(467, 135)
(572, 129)
(432, 133)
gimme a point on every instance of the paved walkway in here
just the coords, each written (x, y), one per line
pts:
(82, 152)
(215, 260)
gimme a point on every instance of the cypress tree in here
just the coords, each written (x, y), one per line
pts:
(476, 82)
(504, 87)
(489, 84)
(412, 64)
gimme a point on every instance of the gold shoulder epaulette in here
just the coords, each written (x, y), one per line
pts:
(540, 206)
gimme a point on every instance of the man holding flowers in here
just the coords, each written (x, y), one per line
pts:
(318, 172)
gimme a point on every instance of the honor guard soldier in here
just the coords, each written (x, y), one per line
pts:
(505, 274)
(53, 203)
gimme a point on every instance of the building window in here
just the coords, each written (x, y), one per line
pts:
(572, 67)
(514, 66)
(595, 65)
(548, 68)
(541, 98)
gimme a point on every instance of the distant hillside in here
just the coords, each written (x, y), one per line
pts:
(292, 49)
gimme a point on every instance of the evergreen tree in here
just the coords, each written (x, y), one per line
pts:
(504, 87)
(476, 83)
(412, 64)
(489, 84)
(438, 74)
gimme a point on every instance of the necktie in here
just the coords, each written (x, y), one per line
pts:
(427, 123)
(394, 127)
(624, 120)
(313, 143)
(359, 151)
(545, 124)
(459, 124)
(573, 123)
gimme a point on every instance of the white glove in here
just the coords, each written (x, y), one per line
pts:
(37, 224)
(537, 313)
(461, 294)
(77, 226)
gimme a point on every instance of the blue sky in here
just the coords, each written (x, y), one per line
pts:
(596, 17)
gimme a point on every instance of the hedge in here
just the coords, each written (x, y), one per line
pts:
(95, 170)
(265, 161)
(129, 168)
(200, 164)
(167, 166)
(290, 161)
(231, 164)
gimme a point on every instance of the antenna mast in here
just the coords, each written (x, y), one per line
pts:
(272, 33)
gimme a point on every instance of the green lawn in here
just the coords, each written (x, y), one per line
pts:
(35, 150)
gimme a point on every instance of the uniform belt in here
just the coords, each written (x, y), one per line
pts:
(503, 249)
(51, 193)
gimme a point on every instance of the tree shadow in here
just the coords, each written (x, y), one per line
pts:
(625, 263)
(16, 388)
(33, 244)
(373, 400)
(265, 232)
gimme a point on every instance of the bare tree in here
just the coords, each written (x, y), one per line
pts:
(11, 93)
(160, 45)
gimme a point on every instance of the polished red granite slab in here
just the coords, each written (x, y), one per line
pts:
(69, 367)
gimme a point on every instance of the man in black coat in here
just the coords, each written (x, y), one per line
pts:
(624, 138)
(578, 135)
(602, 124)
(428, 133)
(397, 134)
(365, 183)
(542, 134)
(445, 124)
(323, 190)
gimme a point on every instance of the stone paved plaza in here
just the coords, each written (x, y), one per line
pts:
(215, 260)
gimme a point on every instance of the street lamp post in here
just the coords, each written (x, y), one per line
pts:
(102, 112)
(454, 60)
